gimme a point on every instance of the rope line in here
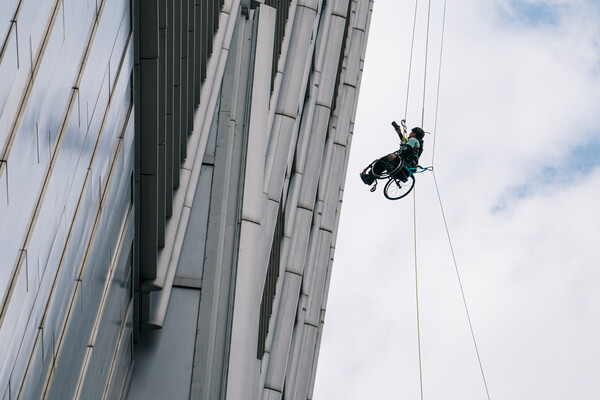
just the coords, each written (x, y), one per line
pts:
(437, 99)
(461, 286)
(426, 56)
(415, 189)
(462, 292)
(437, 191)
(412, 46)
(417, 287)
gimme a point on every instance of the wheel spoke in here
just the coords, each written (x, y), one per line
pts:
(396, 189)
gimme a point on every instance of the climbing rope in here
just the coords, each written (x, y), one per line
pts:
(412, 46)
(425, 67)
(444, 214)
(417, 289)
(415, 189)
(462, 292)
(437, 190)
(439, 79)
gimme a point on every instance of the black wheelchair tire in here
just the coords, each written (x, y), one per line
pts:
(395, 189)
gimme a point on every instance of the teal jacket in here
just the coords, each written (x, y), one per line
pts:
(412, 157)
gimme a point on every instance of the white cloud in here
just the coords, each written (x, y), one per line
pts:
(519, 98)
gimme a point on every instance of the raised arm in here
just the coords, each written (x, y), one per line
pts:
(399, 132)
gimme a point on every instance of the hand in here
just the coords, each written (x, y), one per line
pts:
(392, 156)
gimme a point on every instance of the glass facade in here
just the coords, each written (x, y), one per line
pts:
(66, 209)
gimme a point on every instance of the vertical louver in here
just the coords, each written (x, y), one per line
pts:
(266, 305)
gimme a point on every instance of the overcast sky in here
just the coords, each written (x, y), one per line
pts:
(517, 162)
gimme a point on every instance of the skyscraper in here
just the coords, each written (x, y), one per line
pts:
(171, 179)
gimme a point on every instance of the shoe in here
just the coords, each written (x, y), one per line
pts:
(367, 178)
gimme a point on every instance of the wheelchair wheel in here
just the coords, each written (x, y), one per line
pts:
(384, 168)
(396, 189)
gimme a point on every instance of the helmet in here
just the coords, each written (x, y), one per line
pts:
(419, 132)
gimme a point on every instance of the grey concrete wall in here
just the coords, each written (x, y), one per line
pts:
(271, 141)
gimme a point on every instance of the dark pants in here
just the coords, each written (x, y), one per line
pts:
(384, 164)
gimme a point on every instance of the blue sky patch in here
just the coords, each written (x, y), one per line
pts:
(581, 161)
(532, 13)
(585, 157)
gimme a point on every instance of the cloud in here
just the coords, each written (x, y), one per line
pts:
(517, 165)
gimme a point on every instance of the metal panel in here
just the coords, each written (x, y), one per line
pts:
(25, 328)
(123, 361)
(94, 281)
(7, 11)
(314, 283)
(3, 196)
(314, 157)
(201, 46)
(331, 47)
(212, 14)
(284, 328)
(147, 132)
(148, 124)
(191, 263)
(305, 354)
(297, 62)
(39, 126)
(71, 193)
(283, 9)
(177, 156)
(40, 361)
(56, 193)
(301, 234)
(192, 64)
(110, 320)
(281, 145)
(345, 120)
(254, 199)
(179, 220)
(11, 320)
(9, 66)
(148, 232)
(150, 378)
(166, 173)
(224, 149)
(271, 394)
(31, 23)
(243, 365)
(354, 57)
(30, 32)
(172, 167)
(330, 185)
(184, 86)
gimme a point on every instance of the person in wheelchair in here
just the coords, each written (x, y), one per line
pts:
(409, 153)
